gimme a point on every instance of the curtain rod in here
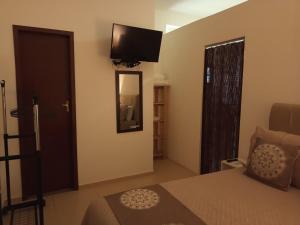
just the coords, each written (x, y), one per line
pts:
(237, 40)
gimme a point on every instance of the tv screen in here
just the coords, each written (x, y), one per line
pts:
(135, 44)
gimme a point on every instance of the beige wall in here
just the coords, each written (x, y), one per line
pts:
(271, 71)
(102, 153)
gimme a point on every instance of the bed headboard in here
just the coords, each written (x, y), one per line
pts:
(285, 117)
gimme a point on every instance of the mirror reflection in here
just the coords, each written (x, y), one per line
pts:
(129, 101)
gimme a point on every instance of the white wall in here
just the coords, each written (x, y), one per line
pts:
(271, 70)
(129, 84)
(164, 17)
(102, 153)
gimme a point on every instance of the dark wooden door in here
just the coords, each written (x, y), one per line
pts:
(221, 104)
(45, 69)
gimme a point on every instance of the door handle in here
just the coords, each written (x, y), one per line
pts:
(66, 105)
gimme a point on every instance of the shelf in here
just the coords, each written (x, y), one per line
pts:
(156, 118)
(157, 155)
(160, 84)
(157, 137)
(160, 103)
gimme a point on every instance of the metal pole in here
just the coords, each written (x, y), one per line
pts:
(3, 93)
(4, 106)
(36, 123)
(5, 137)
(38, 161)
(1, 214)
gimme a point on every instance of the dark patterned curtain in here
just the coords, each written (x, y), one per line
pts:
(221, 104)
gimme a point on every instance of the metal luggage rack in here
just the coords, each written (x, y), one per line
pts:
(38, 203)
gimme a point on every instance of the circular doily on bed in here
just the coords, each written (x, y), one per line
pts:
(268, 161)
(140, 199)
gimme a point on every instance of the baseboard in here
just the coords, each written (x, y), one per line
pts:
(83, 186)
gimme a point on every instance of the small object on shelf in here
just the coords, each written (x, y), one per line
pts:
(232, 164)
(160, 103)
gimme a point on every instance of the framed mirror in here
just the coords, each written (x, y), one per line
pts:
(129, 101)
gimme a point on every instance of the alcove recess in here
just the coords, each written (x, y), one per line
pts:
(160, 101)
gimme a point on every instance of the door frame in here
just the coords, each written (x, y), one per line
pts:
(204, 95)
(70, 36)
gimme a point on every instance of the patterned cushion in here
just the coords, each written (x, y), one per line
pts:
(281, 138)
(272, 164)
(270, 136)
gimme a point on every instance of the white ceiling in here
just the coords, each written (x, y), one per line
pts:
(196, 8)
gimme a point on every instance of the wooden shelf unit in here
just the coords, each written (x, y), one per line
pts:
(160, 106)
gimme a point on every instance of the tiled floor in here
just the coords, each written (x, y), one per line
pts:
(68, 208)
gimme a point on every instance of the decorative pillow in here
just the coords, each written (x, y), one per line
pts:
(294, 140)
(272, 164)
(274, 137)
(296, 177)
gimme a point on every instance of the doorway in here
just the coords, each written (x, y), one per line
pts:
(45, 69)
(222, 92)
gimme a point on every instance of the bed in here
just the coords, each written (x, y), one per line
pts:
(223, 198)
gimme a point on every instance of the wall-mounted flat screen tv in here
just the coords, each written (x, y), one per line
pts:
(135, 44)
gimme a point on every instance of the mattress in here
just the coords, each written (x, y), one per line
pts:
(223, 198)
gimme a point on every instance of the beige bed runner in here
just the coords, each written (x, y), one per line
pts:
(149, 206)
